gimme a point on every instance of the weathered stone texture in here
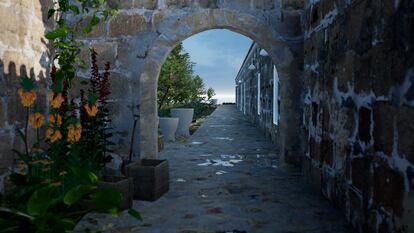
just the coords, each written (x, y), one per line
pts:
(356, 59)
(384, 117)
(124, 24)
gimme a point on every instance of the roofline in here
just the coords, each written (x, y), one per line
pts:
(245, 59)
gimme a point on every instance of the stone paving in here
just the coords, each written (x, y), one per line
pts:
(227, 178)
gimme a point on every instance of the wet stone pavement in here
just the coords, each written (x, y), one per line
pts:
(227, 178)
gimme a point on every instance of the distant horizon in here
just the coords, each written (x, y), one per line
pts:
(218, 54)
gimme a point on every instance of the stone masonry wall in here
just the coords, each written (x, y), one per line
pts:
(263, 66)
(135, 42)
(23, 51)
(358, 115)
(141, 27)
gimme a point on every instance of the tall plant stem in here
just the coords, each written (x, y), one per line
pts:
(25, 132)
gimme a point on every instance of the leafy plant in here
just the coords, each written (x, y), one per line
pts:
(52, 178)
(177, 83)
(96, 125)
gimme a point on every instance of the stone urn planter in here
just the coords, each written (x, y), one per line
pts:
(168, 126)
(151, 178)
(124, 184)
(186, 117)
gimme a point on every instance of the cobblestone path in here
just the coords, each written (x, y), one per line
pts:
(226, 178)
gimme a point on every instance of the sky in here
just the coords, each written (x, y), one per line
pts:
(218, 55)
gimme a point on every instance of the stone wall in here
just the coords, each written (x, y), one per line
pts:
(137, 40)
(359, 84)
(247, 92)
(23, 51)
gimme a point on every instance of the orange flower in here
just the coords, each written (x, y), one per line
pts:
(36, 120)
(27, 97)
(91, 109)
(53, 134)
(74, 132)
(56, 100)
(55, 119)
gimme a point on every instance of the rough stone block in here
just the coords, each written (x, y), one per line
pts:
(314, 150)
(384, 114)
(388, 189)
(405, 127)
(316, 176)
(208, 3)
(124, 24)
(178, 3)
(264, 4)
(241, 4)
(106, 52)
(3, 112)
(121, 4)
(327, 151)
(363, 73)
(6, 154)
(360, 173)
(147, 4)
(364, 128)
(15, 111)
(98, 30)
(293, 4)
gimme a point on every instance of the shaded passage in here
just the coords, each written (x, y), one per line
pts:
(227, 178)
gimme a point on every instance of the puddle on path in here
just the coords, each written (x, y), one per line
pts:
(221, 172)
(223, 138)
(219, 162)
(196, 143)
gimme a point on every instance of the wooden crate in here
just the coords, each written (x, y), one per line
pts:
(151, 178)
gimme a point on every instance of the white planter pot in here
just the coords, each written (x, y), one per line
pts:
(168, 127)
(186, 117)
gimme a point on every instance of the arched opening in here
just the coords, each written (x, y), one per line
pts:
(245, 24)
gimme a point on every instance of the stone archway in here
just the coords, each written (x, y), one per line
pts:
(176, 28)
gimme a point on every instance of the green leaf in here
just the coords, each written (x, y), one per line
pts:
(27, 83)
(39, 201)
(108, 200)
(84, 82)
(94, 21)
(57, 85)
(105, 14)
(23, 156)
(87, 29)
(76, 193)
(92, 98)
(50, 13)
(16, 212)
(74, 9)
(135, 214)
(57, 33)
(84, 175)
(21, 134)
